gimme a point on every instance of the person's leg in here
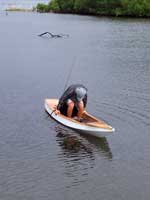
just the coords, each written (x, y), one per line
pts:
(63, 109)
(80, 109)
(70, 108)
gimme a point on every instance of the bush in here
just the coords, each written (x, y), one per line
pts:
(100, 7)
(85, 6)
(42, 7)
(53, 5)
(137, 7)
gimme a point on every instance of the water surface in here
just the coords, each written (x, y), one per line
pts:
(40, 159)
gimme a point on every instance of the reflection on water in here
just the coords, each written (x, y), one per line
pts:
(79, 153)
(101, 144)
(73, 143)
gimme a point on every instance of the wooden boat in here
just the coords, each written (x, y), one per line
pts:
(89, 125)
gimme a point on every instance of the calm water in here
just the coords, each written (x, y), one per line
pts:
(40, 159)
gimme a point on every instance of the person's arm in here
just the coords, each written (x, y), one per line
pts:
(85, 100)
(80, 110)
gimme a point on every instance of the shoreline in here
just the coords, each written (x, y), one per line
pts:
(76, 13)
(21, 9)
(98, 15)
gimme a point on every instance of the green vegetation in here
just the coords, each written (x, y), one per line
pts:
(43, 7)
(137, 8)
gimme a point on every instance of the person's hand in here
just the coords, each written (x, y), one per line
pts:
(57, 112)
(55, 107)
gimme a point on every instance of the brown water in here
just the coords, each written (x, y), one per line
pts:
(40, 159)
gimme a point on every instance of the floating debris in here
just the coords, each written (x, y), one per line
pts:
(53, 35)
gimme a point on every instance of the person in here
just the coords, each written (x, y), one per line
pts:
(73, 101)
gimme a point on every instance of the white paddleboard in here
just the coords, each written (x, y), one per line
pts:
(89, 125)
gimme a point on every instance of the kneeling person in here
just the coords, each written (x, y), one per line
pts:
(73, 101)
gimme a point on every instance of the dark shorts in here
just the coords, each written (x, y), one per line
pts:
(64, 108)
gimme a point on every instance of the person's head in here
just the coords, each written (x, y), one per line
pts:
(80, 92)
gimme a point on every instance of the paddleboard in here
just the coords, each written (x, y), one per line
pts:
(89, 125)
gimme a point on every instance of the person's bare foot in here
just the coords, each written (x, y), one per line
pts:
(78, 119)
